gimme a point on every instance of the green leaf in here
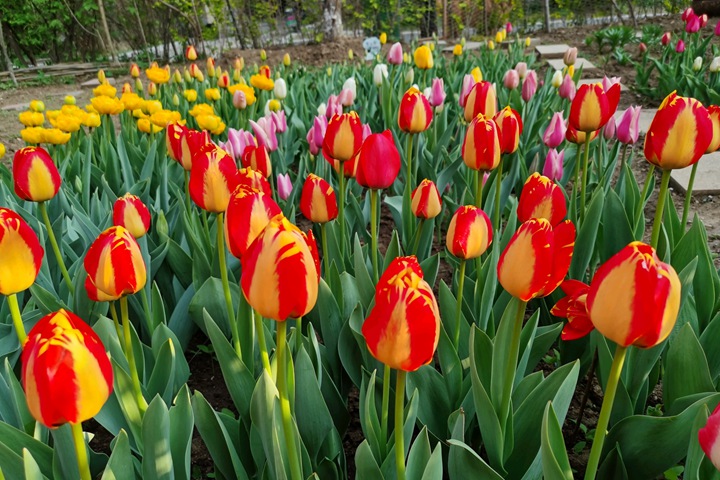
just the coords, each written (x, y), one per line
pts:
(552, 447)
(181, 432)
(613, 466)
(15, 441)
(32, 471)
(462, 459)
(365, 463)
(585, 242)
(419, 456)
(117, 467)
(686, 369)
(157, 458)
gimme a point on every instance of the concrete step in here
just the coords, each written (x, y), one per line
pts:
(707, 178)
(546, 52)
(587, 66)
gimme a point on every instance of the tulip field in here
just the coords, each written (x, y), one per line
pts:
(445, 256)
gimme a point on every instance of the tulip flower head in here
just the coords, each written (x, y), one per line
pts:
(403, 328)
(20, 252)
(692, 24)
(680, 46)
(537, 258)
(343, 137)
(578, 137)
(679, 134)
(114, 265)
(467, 85)
(628, 126)
(714, 113)
(284, 186)
(567, 88)
(190, 53)
(395, 54)
(280, 271)
(511, 79)
(248, 213)
(529, 86)
(557, 79)
(481, 147)
(378, 161)
(634, 297)
(66, 372)
(481, 99)
(213, 178)
(280, 89)
(593, 106)
(265, 133)
(130, 212)
(423, 57)
(470, 233)
(380, 72)
(425, 200)
(555, 132)
(253, 179)
(257, 158)
(183, 143)
(318, 202)
(437, 93)
(415, 113)
(609, 129)
(541, 198)
(35, 176)
(570, 56)
(709, 438)
(553, 168)
(574, 307)
(509, 125)
(522, 69)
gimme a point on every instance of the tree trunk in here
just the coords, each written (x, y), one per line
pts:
(547, 16)
(234, 21)
(445, 20)
(632, 13)
(142, 30)
(108, 40)
(333, 19)
(8, 62)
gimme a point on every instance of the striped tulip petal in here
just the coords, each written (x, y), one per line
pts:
(258, 159)
(592, 106)
(20, 253)
(248, 213)
(343, 137)
(318, 201)
(510, 127)
(541, 198)
(714, 113)
(425, 200)
(35, 176)
(414, 113)
(634, 297)
(213, 178)
(481, 147)
(578, 137)
(66, 372)
(470, 233)
(481, 99)
(573, 307)
(709, 437)
(130, 212)
(253, 179)
(114, 264)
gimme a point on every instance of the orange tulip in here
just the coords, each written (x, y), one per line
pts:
(254, 179)
(190, 53)
(714, 113)
(130, 212)
(20, 253)
(592, 107)
(415, 113)
(481, 147)
(35, 176)
(470, 233)
(679, 134)
(510, 127)
(634, 297)
(343, 137)
(537, 258)
(183, 143)
(541, 198)
(425, 200)
(481, 99)
(318, 201)
(213, 178)
(280, 271)
(403, 328)
(257, 158)
(265, 71)
(66, 372)
(248, 213)
(574, 307)
(114, 265)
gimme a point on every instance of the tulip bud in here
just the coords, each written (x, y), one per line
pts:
(130, 212)
(469, 234)
(284, 186)
(511, 79)
(378, 161)
(481, 99)
(642, 47)
(248, 213)
(665, 40)
(380, 72)
(567, 89)
(536, 259)
(318, 202)
(437, 93)
(425, 200)
(114, 265)
(467, 85)
(213, 178)
(415, 113)
(529, 86)
(717, 29)
(210, 67)
(541, 198)
(509, 126)
(383, 38)
(257, 158)
(609, 129)
(628, 128)
(152, 89)
(2, 150)
(697, 64)
(714, 113)
(343, 137)
(457, 50)
(557, 79)
(35, 176)
(190, 53)
(38, 105)
(20, 252)
(686, 14)
(491, 45)
(409, 76)
(395, 55)
(522, 69)
(69, 100)
(280, 89)
(423, 57)
(680, 46)
(481, 147)
(553, 168)
(66, 372)
(634, 297)
(404, 302)
(239, 100)
(528, 42)
(692, 24)
(570, 56)
(134, 70)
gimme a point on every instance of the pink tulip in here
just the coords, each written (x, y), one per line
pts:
(717, 29)
(703, 20)
(280, 121)
(553, 168)
(265, 133)
(314, 148)
(555, 132)
(366, 131)
(239, 100)
(567, 88)
(687, 13)
(511, 80)
(628, 127)
(395, 55)
(467, 85)
(642, 47)
(609, 129)
(608, 82)
(665, 40)
(437, 93)
(346, 97)
(334, 107)
(239, 139)
(284, 186)
(508, 28)
(680, 47)
(319, 127)
(522, 69)
(529, 86)
(692, 24)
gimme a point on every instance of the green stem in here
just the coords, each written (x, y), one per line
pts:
(260, 331)
(511, 361)
(641, 203)
(341, 210)
(409, 155)
(498, 187)
(576, 179)
(55, 247)
(226, 285)
(81, 450)
(586, 159)
(17, 318)
(657, 222)
(399, 417)
(118, 328)
(326, 256)
(604, 420)
(418, 234)
(187, 190)
(458, 311)
(148, 313)
(373, 233)
(479, 188)
(621, 175)
(688, 195)
(295, 467)
(384, 414)
(142, 404)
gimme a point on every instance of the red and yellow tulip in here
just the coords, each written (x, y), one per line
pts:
(190, 53)
(114, 265)
(592, 107)
(213, 178)
(248, 213)
(415, 113)
(714, 113)
(481, 99)
(343, 137)
(425, 200)
(510, 127)
(318, 201)
(257, 158)
(574, 307)
(541, 198)
(709, 437)
(130, 212)
(481, 147)
(576, 136)
(470, 233)
(20, 252)
(35, 176)
(254, 179)
(183, 143)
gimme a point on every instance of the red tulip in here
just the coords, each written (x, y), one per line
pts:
(481, 147)
(130, 212)
(415, 113)
(35, 176)
(318, 201)
(248, 213)
(114, 265)
(378, 161)
(574, 307)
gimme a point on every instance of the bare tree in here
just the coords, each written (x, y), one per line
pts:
(333, 19)
(108, 40)
(547, 16)
(6, 56)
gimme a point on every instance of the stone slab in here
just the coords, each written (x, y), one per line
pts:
(592, 81)
(468, 46)
(17, 107)
(587, 66)
(646, 118)
(551, 51)
(707, 178)
(92, 83)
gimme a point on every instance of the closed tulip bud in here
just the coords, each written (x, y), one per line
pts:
(187, 76)
(395, 55)
(346, 97)
(491, 45)
(134, 70)
(687, 13)
(409, 76)
(318, 202)
(498, 37)
(126, 88)
(253, 179)
(38, 105)
(114, 265)
(553, 168)
(679, 134)
(567, 89)
(555, 132)
(351, 55)
(316, 135)
(35, 176)
(628, 128)
(280, 89)
(509, 125)
(210, 67)
(481, 99)
(437, 92)
(680, 46)
(425, 200)
(223, 80)
(634, 297)
(697, 64)
(257, 158)
(280, 273)
(415, 113)
(609, 129)
(378, 161)
(20, 253)
(457, 50)
(469, 234)
(190, 53)
(570, 56)
(665, 39)
(541, 198)
(708, 438)
(239, 100)
(152, 89)
(481, 147)
(467, 85)
(692, 25)
(529, 86)
(248, 213)
(130, 212)
(642, 47)
(2, 150)
(69, 100)
(403, 328)
(528, 42)
(717, 29)
(66, 372)
(213, 178)
(284, 186)
(557, 79)
(537, 258)
(703, 20)
(380, 72)
(383, 38)
(714, 65)
(593, 107)
(511, 79)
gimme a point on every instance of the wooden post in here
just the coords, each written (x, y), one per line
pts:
(8, 62)
(547, 16)
(108, 40)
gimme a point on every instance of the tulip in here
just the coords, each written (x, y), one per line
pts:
(248, 213)
(383, 38)
(437, 95)
(239, 100)
(346, 97)
(2, 150)
(481, 99)
(380, 72)
(708, 438)
(343, 137)
(213, 178)
(509, 125)
(409, 76)
(553, 168)
(628, 126)
(21, 254)
(114, 265)
(717, 29)
(316, 134)
(423, 57)
(529, 86)
(265, 133)
(577, 137)
(491, 45)
(257, 158)
(280, 89)
(253, 179)
(522, 69)
(351, 54)
(687, 13)
(715, 64)
(395, 55)
(714, 113)
(570, 56)
(609, 129)
(593, 106)
(469, 234)
(425, 200)
(703, 20)
(134, 70)
(239, 140)
(414, 114)
(284, 186)
(557, 79)
(567, 88)
(697, 64)
(665, 39)
(35, 176)
(642, 47)
(279, 120)
(130, 212)
(457, 50)
(378, 161)
(467, 85)
(318, 202)
(692, 24)
(555, 132)
(541, 198)
(183, 143)
(481, 147)
(333, 107)
(680, 46)
(511, 79)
